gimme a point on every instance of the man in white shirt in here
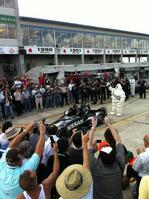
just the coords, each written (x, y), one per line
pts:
(2, 109)
(48, 149)
(17, 83)
(141, 164)
(70, 91)
(132, 86)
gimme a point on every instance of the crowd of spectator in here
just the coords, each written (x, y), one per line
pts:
(40, 161)
(22, 95)
(37, 161)
(65, 166)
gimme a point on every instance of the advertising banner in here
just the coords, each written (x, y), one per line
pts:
(71, 51)
(39, 50)
(9, 50)
(93, 51)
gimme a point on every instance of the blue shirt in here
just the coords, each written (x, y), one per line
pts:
(9, 176)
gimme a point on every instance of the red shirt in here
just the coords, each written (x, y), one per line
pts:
(41, 80)
(25, 82)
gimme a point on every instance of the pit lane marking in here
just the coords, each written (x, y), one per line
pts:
(123, 121)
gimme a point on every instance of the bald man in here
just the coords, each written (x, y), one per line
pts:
(141, 164)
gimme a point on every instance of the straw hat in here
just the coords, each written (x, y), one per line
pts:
(12, 132)
(74, 182)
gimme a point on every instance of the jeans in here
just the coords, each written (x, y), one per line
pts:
(27, 105)
(48, 101)
(71, 97)
(57, 100)
(1, 114)
(9, 111)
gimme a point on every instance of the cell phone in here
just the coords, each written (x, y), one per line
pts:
(36, 125)
(43, 120)
(52, 141)
(98, 141)
(84, 130)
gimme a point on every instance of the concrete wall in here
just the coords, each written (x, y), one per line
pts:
(93, 59)
(38, 60)
(69, 59)
(8, 42)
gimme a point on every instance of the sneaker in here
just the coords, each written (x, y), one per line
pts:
(112, 113)
(118, 115)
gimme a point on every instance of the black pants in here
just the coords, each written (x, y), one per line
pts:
(142, 93)
(18, 107)
(64, 97)
(130, 172)
(3, 109)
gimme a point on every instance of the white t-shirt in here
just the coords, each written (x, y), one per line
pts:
(3, 141)
(17, 83)
(141, 164)
(41, 195)
(48, 150)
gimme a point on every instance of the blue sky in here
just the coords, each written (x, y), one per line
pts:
(129, 15)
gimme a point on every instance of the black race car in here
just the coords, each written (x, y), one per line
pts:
(80, 118)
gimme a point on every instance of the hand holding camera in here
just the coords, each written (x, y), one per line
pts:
(94, 122)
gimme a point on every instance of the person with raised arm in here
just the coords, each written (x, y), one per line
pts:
(76, 180)
(28, 181)
(12, 166)
(107, 170)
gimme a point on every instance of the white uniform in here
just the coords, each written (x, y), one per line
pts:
(118, 98)
(132, 86)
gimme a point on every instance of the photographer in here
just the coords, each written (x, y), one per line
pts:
(52, 138)
(107, 170)
(12, 164)
(28, 181)
(75, 149)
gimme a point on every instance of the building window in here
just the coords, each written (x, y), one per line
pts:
(7, 3)
(119, 41)
(45, 37)
(10, 3)
(93, 41)
(42, 36)
(80, 40)
(38, 37)
(101, 42)
(3, 31)
(32, 37)
(63, 36)
(74, 40)
(2, 4)
(86, 41)
(50, 38)
(25, 34)
(124, 42)
(12, 33)
(58, 38)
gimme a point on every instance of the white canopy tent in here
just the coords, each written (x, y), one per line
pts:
(61, 69)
